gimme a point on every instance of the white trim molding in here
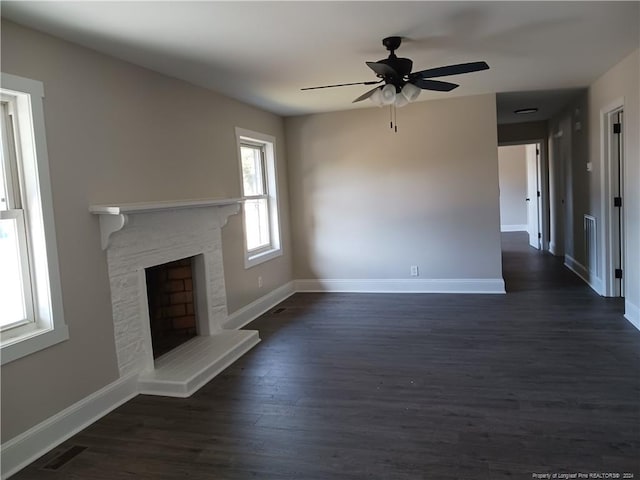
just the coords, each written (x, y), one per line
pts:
(250, 312)
(581, 271)
(402, 285)
(513, 228)
(20, 451)
(632, 313)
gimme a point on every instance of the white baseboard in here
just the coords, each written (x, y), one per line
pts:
(513, 228)
(632, 313)
(402, 285)
(249, 313)
(576, 267)
(20, 451)
(553, 250)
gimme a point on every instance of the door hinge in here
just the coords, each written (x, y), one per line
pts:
(617, 128)
(537, 152)
(618, 273)
(617, 201)
(539, 235)
(538, 194)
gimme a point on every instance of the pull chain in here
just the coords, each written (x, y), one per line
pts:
(395, 119)
(393, 123)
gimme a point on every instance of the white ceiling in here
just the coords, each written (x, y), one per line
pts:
(264, 52)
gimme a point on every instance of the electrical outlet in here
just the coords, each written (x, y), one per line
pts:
(259, 282)
(414, 270)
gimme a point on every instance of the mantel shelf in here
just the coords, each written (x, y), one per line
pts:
(147, 207)
(114, 218)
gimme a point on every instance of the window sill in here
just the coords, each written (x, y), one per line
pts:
(257, 259)
(31, 342)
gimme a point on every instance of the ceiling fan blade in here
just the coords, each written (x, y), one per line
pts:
(372, 82)
(382, 69)
(436, 85)
(364, 96)
(451, 70)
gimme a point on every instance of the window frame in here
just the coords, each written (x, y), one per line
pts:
(48, 326)
(14, 211)
(267, 144)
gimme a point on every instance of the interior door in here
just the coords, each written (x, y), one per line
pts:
(533, 192)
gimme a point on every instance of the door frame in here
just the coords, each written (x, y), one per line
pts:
(607, 235)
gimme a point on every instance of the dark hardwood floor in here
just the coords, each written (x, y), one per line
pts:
(545, 379)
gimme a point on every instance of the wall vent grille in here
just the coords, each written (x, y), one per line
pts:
(590, 245)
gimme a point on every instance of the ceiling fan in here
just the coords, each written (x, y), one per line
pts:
(401, 86)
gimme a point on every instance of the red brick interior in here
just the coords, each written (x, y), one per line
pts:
(171, 308)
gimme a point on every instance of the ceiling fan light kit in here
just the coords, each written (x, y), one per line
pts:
(401, 86)
(387, 95)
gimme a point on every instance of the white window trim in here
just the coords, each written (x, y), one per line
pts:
(262, 255)
(49, 327)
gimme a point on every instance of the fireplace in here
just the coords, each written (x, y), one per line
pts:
(172, 314)
(138, 238)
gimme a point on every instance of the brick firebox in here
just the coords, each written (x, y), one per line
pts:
(172, 312)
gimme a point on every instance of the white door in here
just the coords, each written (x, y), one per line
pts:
(533, 196)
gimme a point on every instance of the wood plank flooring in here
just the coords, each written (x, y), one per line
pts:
(545, 379)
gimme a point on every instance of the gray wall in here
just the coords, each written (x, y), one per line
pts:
(512, 171)
(571, 183)
(526, 132)
(120, 133)
(366, 203)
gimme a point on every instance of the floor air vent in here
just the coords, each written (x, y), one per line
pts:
(65, 457)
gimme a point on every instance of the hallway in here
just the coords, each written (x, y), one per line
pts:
(542, 380)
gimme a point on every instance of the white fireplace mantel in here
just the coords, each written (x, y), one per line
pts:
(114, 217)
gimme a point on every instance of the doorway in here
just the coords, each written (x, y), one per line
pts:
(520, 190)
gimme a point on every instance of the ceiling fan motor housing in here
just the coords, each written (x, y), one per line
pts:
(401, 66)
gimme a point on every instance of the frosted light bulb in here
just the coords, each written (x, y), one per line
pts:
(401, 101)
(376, 97)
(388, 94)
(410, 92)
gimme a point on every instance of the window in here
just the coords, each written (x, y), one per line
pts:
(30, 298)
(15, 278)
(260, 203)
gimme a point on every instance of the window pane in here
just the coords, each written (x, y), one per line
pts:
(252, 171)
(12, 304)
(256, 217)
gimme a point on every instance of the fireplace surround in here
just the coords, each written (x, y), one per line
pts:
(143, 235)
